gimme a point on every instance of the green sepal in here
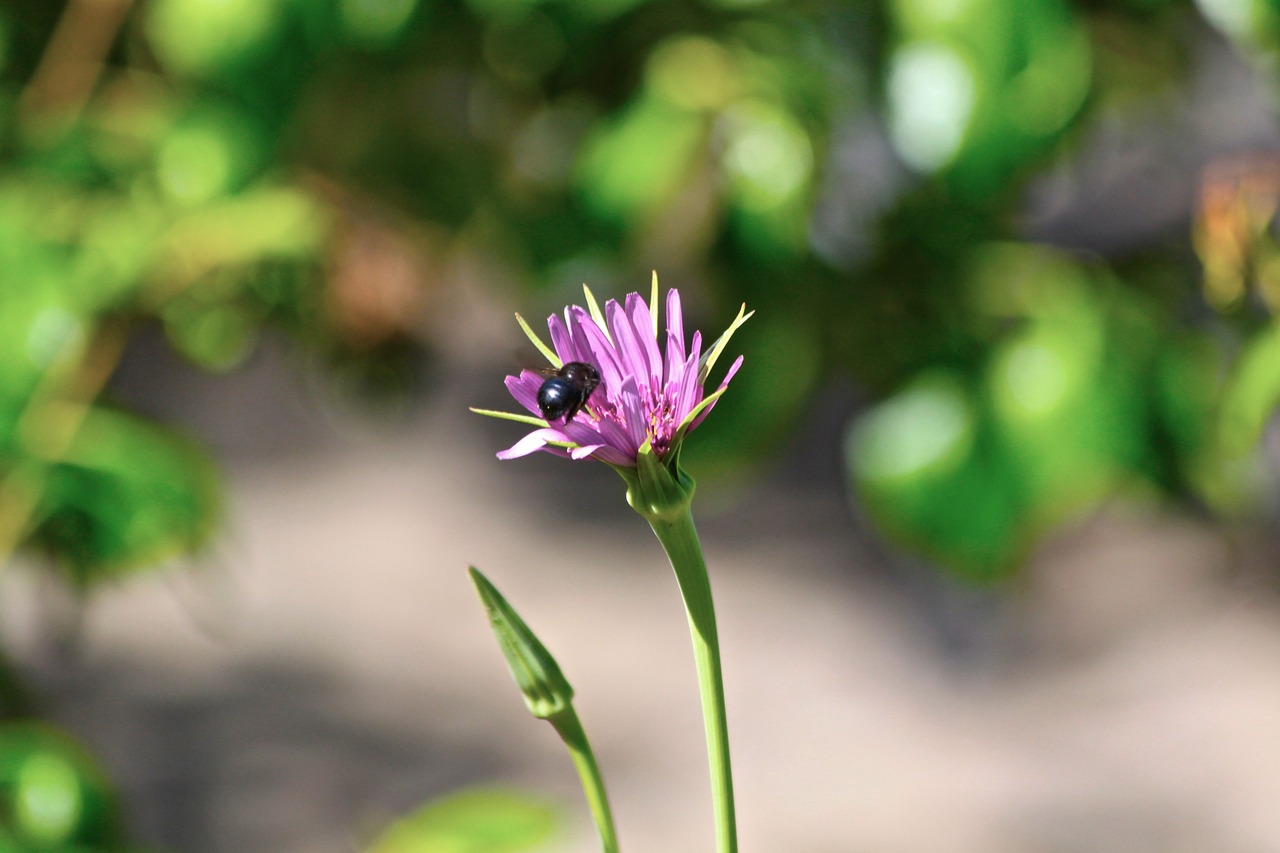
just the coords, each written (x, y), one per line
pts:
(510, 416)
(658, 489)
(593, 308)
(545, 689)
(708, 360)
(537, 342)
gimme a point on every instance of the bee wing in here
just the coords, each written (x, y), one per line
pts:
(533, 366)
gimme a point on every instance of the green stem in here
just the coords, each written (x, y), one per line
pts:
(678, 536)
(575, 738)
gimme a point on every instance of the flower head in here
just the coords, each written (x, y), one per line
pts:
(650, 389)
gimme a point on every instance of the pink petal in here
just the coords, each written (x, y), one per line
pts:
(632, 411)
(536, 440)
(560, 339)
(642, 325)
(581, 347)
(582, 431)
(615, 436)
(675, 336)
(605, 453)
(524, 388)
(602, 355)
(690, 390)
(631, 353)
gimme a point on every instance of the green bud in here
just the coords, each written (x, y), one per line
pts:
(545, 689)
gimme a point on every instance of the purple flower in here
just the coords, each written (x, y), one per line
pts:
(651, 390)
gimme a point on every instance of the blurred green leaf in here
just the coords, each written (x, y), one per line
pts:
(215, 321)
(927, 471)
(55, 796)
(201, 37)
(267, 222)
(211, 151)
(976, 91)
(476, 821)
(1251, 394)
(128, 494)
(375, 23)
(635, 162)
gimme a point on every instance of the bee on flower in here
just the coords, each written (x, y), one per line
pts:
(618, 386)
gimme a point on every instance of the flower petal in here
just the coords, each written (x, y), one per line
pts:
(587, 335)
(630, 404)
(524, 388)
(631, 352)
(605, 453)
(560, 339)
(690, 393)
(606, 430)
(536, 440)
(642, 323)
(651, 390)
(675, 337)
(582, 430)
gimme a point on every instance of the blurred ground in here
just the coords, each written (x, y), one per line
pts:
(330, 668)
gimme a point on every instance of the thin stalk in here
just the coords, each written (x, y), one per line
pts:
(570, 729)
(50, 423)
(73, 60)
(680, 540)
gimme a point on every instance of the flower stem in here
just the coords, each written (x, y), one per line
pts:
(574, 736)
(680, 540)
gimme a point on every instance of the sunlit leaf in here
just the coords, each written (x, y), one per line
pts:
(1252, 393)
(273, 222)
(128, 494)
(975, 91)
(934, 482)
(201, 37)
(477, 821)
(54, 796)
(636, 161)
(210, 151)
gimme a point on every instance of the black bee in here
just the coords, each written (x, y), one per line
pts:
(567, 390)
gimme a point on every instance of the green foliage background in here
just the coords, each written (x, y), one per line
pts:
(858, 173)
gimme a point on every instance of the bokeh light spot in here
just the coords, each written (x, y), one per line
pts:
(194, 165)
(1233, 17)
(930, 99)
(376, 21)
(1032, 378)
(934, 11)
(923, 427)
(198, 37)
(48, 803)
(52, 329)
(691, 72)
(769, 157)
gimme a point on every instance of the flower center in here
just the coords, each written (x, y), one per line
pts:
(661, 428)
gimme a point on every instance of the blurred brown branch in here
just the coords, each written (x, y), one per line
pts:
(72, 60)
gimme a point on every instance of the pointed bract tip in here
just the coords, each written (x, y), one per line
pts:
(546, 691)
